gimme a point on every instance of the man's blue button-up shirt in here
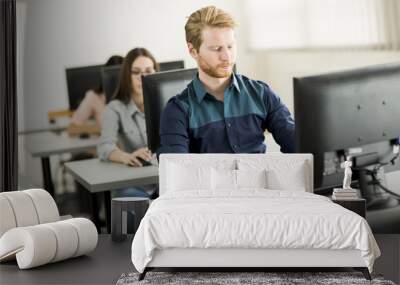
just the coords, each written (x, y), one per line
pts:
(196, 122)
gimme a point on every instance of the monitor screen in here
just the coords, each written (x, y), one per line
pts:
(346, 113)
(79, 81)
(158, 88)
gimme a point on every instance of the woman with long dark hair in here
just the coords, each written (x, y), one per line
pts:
(123, 135)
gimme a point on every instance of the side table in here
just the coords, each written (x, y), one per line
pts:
(357, 205)
(119, 210)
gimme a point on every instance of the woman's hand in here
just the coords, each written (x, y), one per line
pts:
(132, 158)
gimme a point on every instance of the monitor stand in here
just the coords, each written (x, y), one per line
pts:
(376, 198)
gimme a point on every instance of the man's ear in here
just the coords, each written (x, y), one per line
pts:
(192, 50)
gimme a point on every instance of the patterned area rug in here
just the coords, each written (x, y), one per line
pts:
(229, 278)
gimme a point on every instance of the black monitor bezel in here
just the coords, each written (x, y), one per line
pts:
(151, 94)
(72, 74)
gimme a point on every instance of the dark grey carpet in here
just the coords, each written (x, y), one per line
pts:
(275, 278)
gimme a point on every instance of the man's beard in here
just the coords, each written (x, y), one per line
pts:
(218, 71)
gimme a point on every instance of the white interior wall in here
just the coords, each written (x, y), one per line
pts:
(69, 33)
(61, 34)
(279, 68)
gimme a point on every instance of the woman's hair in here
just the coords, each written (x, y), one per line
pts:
(113, 60)
(125, 88)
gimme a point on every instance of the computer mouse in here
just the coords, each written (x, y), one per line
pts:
(144, 162)
(84, 136)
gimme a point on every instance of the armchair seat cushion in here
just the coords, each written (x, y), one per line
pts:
(31, 230)
(40, 244)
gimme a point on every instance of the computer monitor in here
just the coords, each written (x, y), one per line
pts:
(79, 81)
(158, 88)
(110, 77)
(171, 65)
(354, 113)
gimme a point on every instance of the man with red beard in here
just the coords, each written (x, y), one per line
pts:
(220, 111)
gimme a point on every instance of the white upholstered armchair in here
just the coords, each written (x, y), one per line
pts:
(32, 232)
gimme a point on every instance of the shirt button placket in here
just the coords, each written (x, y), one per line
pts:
(228, 131)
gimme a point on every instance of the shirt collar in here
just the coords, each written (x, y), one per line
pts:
(234, 82)
(201, 91)
(132, 108)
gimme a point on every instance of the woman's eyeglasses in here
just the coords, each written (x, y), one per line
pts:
(138, 72)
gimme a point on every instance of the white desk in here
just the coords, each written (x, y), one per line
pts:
(47, 128)
(45, 144)
(98, 176)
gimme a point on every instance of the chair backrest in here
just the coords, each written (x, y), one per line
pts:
(26, 208)
(294, 168)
